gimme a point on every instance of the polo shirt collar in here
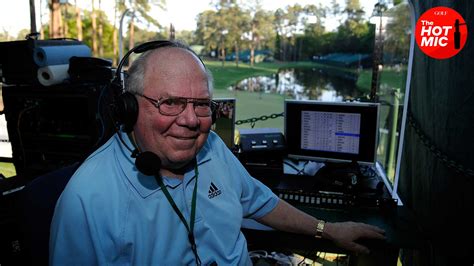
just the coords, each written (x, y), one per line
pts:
(146, 185)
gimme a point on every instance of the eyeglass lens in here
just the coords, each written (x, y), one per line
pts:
(174, 106)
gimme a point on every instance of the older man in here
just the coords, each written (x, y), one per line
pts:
(192, 210)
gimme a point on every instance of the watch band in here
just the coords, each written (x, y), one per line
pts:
(320, 229)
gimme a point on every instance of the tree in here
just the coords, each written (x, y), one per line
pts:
(87, 24)
(114, 35)
(94, 30)
(55, 21)
(5, 36)
(398, 29)
(143, 35)
(223, 24)
(65, 16)
(22, 34)
(353, 11)
(186, 36)
(315, 27)
(354, 34)
(206, 30)
(288, 22)
(78, 21)
(107, 32)
(239, 25)
(141, 9)
(335, 10)
(313, 41)
(261, 29)
(100, 32)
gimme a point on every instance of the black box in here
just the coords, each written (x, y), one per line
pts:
(261, 152)
(55, 126)
(17, 65)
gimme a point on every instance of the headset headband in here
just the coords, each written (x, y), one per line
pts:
(138, 50)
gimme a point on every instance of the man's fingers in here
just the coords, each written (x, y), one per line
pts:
(371, 227)
(358, 248)
(370, 231)
(374, 235)
(376, 228)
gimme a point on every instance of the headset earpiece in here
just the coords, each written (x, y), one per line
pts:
(126, 110)
(125, 105)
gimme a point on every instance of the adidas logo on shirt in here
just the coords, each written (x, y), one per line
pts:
(213, 191)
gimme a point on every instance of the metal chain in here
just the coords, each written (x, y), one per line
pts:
(255, 119)
(440, 155)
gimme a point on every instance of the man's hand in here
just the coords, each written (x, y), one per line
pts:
(346, 233)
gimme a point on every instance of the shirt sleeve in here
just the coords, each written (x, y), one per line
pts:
(257, 199)
(71, 241)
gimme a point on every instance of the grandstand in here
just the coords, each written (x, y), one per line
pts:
(244, 56)
(345, 59)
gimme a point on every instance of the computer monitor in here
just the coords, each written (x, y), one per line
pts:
(331, 131)
(224, 125)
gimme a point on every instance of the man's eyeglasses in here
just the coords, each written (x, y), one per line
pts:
(175, 105)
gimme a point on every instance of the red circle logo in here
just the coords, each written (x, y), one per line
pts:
(441, 32)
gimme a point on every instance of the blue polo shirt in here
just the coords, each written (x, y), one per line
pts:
(109, 213)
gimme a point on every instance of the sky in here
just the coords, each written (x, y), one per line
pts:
(14, 14)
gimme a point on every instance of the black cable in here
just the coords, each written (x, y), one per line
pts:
(134, 151)
(292, 166)
(99, 115)
(298, 171)
(301, 172)
(18, 122)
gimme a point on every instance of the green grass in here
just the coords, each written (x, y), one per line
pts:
(389, 78)
(251, 104)
(228, 75)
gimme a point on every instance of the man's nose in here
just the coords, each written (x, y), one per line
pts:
(188, 117)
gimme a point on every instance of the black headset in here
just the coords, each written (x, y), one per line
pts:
(125, 106)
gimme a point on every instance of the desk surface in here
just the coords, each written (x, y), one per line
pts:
(369, 202)
(399, 226)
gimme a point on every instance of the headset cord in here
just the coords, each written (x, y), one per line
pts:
(190, 227)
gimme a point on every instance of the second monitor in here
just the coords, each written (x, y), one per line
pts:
(224, 124)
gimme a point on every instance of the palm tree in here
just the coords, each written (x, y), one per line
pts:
(140, 8)
(78, 21)
(55, 22)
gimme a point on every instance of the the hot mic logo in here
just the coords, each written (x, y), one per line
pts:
(441, 32)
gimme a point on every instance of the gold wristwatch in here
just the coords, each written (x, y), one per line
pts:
(320, 229)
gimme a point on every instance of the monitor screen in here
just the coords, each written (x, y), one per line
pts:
(331, 131)
(224, 125)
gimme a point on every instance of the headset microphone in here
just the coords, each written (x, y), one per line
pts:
(148, 163)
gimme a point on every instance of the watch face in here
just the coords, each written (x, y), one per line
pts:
(319, 229)
(320, 226)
